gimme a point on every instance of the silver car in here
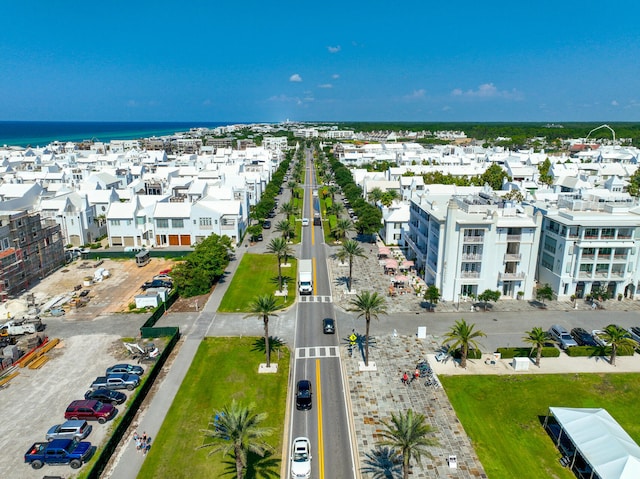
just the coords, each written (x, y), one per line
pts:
(562, 336)
(72, 429)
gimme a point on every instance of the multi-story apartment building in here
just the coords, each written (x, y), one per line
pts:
(591, 242)
(29, 251)
(465, 245)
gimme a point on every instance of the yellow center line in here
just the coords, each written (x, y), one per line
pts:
(315, 282)
(319, 407)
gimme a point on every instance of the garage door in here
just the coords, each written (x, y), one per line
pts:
(174, 240)
(128, 241)
(185, 240)
(116, 240)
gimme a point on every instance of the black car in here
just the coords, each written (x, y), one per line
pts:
(266, 224)
(582, 337)
(328, 326)
(257, 237)
(106, 396)
(157, 283)
(303, 395)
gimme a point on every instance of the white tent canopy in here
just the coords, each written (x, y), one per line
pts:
(601, 441)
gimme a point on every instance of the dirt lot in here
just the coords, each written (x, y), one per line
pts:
(112, 295)
(36, 399)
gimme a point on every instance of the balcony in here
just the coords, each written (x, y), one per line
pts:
(470, 274)
(514, 238)
(511, 276)
(471, 257)
(472, 239)
(512, 257)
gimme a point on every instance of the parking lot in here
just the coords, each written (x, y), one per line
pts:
(91, 340)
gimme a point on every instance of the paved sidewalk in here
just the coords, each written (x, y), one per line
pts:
(375, 395)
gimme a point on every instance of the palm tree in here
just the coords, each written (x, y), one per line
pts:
(350, 249)
(369, 305)
(263, 307)
(409, 433)
(292, 185)
(537, 338)
(617, 338)
(383, 463)
(288, 209)
(462, 336)
(285, 228)
(281, 249)
(375, 195)
(236, 430)
(343, 226)
(335, 209)
(388, 197)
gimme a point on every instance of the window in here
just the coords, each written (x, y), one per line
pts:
(205, 221)
(591, 233)
(547, 261)
(550, 244)
(141, 220)
(114, 222)
(162, 223)
(177, 223)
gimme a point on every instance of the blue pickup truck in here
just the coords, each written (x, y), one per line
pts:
(58, 451)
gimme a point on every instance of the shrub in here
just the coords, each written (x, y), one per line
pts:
(583, 351)
(472, 354)
(333, 221)
(547, 352)
(328, 202)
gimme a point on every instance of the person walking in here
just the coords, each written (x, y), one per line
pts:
(405, 378)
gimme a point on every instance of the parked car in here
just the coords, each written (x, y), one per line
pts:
(598, 337)
(257, 237)
(635, 333)
(328, 326)
(266, 224)
(90, 409)
(125, 368)
(562, 336)
(163, 277)
(301, 458)
(117, 381)
(74, 429)
(59, 451)
(582, 337)
(303, 395)
(106, 396)
(157, 283)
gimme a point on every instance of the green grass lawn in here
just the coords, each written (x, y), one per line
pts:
(503, 416)
(223, 369)
(257, 274)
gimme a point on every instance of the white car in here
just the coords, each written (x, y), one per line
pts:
(305, 221)
(597, 335)
(301, 458)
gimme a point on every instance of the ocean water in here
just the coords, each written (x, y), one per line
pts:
(41, 133)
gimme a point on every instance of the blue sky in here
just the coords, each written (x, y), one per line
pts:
(256, 61)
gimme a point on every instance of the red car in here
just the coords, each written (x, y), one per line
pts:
(90, 409)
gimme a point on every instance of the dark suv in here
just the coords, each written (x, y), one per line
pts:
(328, 326)
(582, 337)
(303, 395)
(90, 409)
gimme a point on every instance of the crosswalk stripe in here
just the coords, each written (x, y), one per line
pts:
(315, 299)
(317, 352)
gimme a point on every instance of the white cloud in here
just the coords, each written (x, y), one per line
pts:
(295, 78)
(325, 85)
(416, 94)
(335, 49)
(488, 90)
(335, 76)
(614, 103)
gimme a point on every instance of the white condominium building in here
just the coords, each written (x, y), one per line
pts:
(465, 245)
(590, 243)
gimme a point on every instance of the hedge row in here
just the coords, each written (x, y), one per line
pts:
(508, 353)
(328, 202)
(333, 221)
(577, 351)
